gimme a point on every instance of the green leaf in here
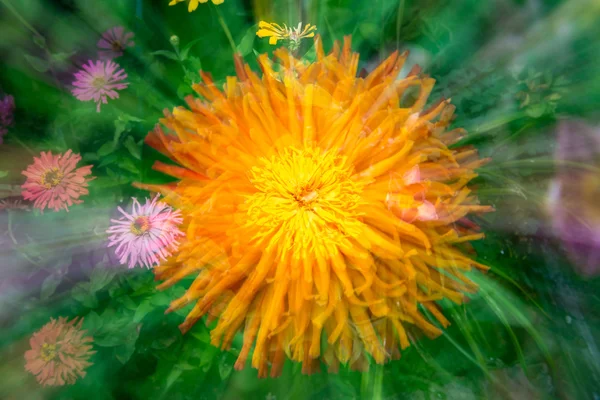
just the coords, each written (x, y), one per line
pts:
(173, 376)
(144, 308)
(40, 41)
(101, 276)
(535, 110)
(120, 127)
(3, 174)
(160, 299)
(186, 49)
(167, 54)
(81, 293)
(49, 286)
(207, 357)
(369, 31)
(92, 322)
(123, 352)
(184, 90)
(61, 58)
(106, 149)
(163, 343)
(247, 42)
(225, 365)
(133, 148)
(37, 63)
(128, 165)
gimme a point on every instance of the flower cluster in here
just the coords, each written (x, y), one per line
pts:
(59, 353)
(316, 207)
(100, 80)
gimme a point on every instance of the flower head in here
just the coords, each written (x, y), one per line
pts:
(147, 235)
(59, 352)
(7, 108)
(275, 32)
(193, 4)
(53, 181)
(323, 215)
(114, 42)
(99, 80)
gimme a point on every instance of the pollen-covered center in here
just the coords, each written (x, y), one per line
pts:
(52, 178)
(99, 82)
(140, 225)
(304, 198)
(48, 352)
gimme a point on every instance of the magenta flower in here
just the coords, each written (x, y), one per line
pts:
(573, 199)
(53, 181)
(7, 108)
(113, 43)
(99, 80)
(146, 235)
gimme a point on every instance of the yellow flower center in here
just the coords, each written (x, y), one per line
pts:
(140, 225)
(304, 199)
(99, 82)
(51, 178)
(48, 352)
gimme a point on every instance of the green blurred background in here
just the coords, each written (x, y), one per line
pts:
(514, 69)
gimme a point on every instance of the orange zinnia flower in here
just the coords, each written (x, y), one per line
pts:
(318, 209)
(59, 352)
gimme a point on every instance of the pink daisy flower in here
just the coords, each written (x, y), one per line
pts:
(7, 108)
(54, 182)
(113, 43)
(99, 80)
(146, 235)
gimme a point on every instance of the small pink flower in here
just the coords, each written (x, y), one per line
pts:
(59, 353)
(54, 182)
(99, 80)
(7, 108)
(113, 43)
(146, 235)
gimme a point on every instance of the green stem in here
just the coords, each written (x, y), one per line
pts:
(226, 29)
(537, 162)
(399, 18)
(13, 137)
(20, 18)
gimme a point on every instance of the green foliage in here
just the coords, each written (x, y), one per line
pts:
(529, 326)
